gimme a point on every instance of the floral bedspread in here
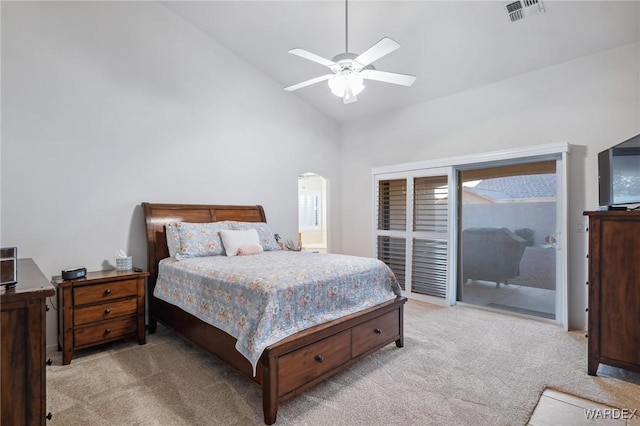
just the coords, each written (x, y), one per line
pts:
(261, 299)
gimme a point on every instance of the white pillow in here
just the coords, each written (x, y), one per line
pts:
(232, 240)
(266, 235)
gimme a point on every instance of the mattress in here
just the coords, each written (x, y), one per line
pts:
(263, 298)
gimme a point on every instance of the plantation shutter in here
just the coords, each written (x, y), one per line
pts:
(392, 252)
(430, 218)
(309, 211)
(392, 216)
(413, 232)
(429, 267)
(392, 205)
(430, 204)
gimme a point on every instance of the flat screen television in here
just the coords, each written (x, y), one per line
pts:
(619, 175)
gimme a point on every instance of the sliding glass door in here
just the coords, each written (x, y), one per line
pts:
(507, 237)
(485, 230)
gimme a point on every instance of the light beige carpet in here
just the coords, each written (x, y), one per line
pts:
(459, 366)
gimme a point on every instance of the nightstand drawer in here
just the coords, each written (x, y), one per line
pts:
(105, 311)
(102, 292)
(372, 333)
(299, 366)
(105, 331)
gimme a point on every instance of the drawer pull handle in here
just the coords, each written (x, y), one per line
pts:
(319, 358)
(107, 311)
(49, 361)
(107, 291)
(378, 331)
(107, 331)
(49, 416)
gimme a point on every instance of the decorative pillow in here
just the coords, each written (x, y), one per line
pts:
(267, 239)
(247, 250)
(235, 239)
(200, 239)
(173, 238)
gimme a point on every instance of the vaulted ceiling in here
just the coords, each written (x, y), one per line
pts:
(451, 46)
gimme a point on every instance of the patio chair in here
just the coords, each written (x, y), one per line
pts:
(491, 254)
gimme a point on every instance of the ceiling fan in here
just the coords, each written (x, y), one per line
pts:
(349, 70)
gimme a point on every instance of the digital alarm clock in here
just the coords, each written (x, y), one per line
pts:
(74, 273)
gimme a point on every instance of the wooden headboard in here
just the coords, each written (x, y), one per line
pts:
(158, 215)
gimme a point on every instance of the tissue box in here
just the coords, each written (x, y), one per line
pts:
(124, 263)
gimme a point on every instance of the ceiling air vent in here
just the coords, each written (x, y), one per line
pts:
(520, 9)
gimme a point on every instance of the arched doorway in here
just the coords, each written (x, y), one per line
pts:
(312, 212)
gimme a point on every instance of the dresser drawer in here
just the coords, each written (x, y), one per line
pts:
(104, 331)
(101, 292)
(308, 362)
(104, 311)
(374, 332)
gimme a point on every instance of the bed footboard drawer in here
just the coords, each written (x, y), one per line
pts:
(376, 331)
(311, 361)
(105, 331)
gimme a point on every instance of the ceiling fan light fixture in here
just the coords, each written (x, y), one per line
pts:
(349, 70)
(346, 79)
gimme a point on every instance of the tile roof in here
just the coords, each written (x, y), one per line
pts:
(517, 187)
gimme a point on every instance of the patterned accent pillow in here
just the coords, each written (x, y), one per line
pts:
(173, 238)
(200, 239)
(267, 238)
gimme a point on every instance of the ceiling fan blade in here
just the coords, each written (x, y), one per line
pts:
(312, 57)
(308, 82)
(375, 52)
(388, 77)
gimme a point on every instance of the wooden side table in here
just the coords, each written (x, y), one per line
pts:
(102, 307)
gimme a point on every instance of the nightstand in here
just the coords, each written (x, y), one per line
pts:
(102, 307)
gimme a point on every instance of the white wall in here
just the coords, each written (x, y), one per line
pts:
(108, 104)
(592, 103)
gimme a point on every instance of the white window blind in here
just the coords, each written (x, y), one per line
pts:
(429, 267)
(392, 216)
(413, 231)
(309, 211)
(430, 204)
(429, 253)
(392, 204)
(392, 251)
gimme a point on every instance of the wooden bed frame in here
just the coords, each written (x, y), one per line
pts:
(292, 365)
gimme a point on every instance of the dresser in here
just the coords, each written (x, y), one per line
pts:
(614, 290)
(102, 307)
(23, 349)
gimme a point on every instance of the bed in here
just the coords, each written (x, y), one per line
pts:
(291, 365)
